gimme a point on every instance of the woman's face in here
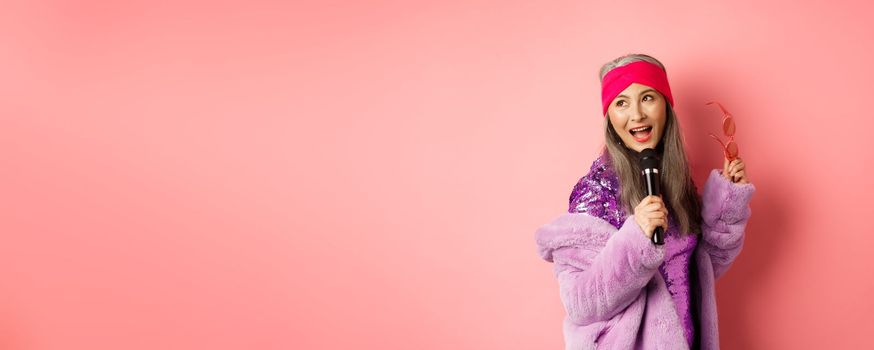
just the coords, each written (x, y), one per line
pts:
(635, 107)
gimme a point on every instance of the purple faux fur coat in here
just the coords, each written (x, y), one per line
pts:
(609, 282)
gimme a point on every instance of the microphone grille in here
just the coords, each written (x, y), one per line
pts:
(649, 159)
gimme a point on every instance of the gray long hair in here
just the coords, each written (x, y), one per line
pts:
(678, 189)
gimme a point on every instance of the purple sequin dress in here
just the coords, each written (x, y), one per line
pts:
(597, 194)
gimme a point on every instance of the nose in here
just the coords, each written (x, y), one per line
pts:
(637, 112)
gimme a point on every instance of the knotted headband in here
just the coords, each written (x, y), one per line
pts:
(641, 72)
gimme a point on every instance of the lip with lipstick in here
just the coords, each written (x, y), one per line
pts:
(641, 134)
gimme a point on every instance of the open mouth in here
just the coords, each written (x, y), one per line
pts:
(642, 134)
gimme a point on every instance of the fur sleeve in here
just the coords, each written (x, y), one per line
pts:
(600, 269)
(725, 212)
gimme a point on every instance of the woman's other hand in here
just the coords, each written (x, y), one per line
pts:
(651, 213)
(735, 171)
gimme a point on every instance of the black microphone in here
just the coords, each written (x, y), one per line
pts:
(649, 165)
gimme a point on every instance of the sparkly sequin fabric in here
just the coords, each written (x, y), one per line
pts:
(597, 194)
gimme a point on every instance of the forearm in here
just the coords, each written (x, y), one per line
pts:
(725, 213)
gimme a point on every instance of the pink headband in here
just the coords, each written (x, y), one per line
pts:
(641, 72)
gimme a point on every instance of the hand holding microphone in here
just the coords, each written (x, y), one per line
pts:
(651, 214)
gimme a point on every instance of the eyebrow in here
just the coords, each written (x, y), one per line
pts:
(643, 92)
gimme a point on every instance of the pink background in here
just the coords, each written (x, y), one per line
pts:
(329, 175)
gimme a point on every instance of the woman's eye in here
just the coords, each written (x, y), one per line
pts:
(650, 96)
(619, 103)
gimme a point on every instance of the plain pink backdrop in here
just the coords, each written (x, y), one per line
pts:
(330, 175)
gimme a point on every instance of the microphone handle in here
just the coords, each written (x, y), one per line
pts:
(658, 236)
(652, 188)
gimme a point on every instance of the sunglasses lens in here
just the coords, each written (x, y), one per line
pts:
(731, 148)
(728, 126)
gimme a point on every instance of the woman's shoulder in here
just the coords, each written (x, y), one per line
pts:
(597, 193)
(590, 184)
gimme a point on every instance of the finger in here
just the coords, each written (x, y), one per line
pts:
(655, 215)
(737, 167)
(733, 166)
(652, 199)
(725, 166)
(643, 203)
(740, 176)
(660, 222)
(653, 207)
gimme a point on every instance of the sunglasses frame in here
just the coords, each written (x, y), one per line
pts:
(725, 117)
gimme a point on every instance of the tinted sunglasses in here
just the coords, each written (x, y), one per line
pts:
(728, 128)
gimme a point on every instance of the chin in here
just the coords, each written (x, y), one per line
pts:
(640, 147)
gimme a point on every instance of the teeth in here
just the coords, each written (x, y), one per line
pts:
(639, 129)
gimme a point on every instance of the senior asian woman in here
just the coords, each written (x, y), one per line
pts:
(619, 289)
